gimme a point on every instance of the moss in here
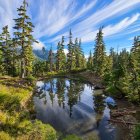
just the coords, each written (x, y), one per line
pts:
(37, 131)
(137, 132)
(5, 136)
(72, 137)
(12, 99)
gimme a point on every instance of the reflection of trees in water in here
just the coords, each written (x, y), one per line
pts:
(48, 86)
(50, 91)
(74, 92)
(99, 107)
(60, 91)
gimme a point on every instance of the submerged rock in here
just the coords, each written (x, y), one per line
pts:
(110, 101)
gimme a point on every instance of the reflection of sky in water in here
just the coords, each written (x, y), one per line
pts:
(79, 116)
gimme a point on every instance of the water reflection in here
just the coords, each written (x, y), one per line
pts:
(73, 107)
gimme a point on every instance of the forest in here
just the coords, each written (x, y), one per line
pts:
(117, 74)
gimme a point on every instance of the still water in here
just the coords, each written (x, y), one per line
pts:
(73, 107)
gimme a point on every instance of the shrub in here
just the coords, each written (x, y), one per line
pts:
(72, 137)
(30, 80)
(5, 136)
(37, 131)
(137, 132)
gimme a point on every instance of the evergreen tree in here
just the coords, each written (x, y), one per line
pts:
(70, 53)
(63, 56)
(45, 56)
(14, 58)
(90, 61)
(60, 57)
(6, 51)
(99, 54)
(134, 69)
(50, 60)
(78, 53)
(24, 38)
(1, 56)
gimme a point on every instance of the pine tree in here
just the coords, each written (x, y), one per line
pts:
(90, 61)
(50, 60)
(1, 57)
(24, 38)
(69, 55)
(99, 54)
(6, 51)
(134, 69)
(14, 58)
(58, 56)
(62, 56)
(78, 53)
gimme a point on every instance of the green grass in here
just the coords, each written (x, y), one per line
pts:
(15, 114)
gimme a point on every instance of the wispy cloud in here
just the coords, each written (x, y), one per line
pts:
(113, 29)
(54, 18)
(8, 13)
(87, 28)
(59, 15)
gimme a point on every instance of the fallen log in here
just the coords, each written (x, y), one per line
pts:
(122, 121)
(119, 114)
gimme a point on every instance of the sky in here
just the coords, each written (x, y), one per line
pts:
(54, 18)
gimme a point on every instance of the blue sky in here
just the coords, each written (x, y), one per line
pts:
(54, 18)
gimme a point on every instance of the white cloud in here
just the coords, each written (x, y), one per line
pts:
(112, 29)
(117, 7)
(65, 51)
(131, 38)
(86, 56)
(8, 13)
(38, 46)
(51, 18)
(87, 28)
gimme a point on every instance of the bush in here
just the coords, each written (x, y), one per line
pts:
(5, 136)
(72, 137)
(30, 80)
(137, 132)
(78, 70)
(37, 131)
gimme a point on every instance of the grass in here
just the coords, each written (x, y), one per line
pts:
(15, 113)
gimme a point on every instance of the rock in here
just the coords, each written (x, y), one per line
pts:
(98, 87)
(110, 101)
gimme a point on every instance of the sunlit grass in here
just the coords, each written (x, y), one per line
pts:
(15, 119)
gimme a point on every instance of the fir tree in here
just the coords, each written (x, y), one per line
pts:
(6, 50)
(70, 53)
(99, 54)
(50, 60)
(90, 61)
(78, 53)
(134, 69)
(24, 38)
(60, 56)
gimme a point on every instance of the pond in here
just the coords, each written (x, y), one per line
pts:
(74, 107)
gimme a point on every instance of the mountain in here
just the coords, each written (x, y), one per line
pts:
(41, 55)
